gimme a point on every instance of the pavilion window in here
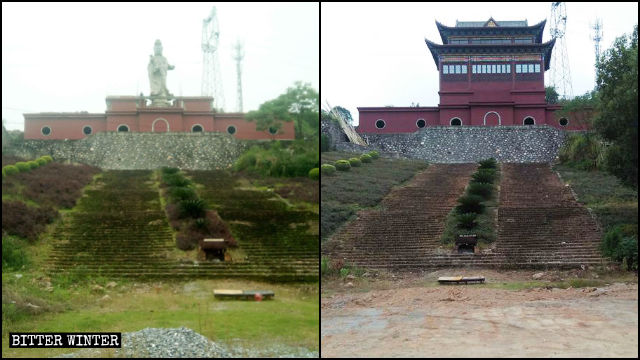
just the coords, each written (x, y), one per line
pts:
(493, 69)
(509, 68)
(518, 68)
(445, 69)
(464, 69)
(473, 69)
(458, 71)
(537, 68)
(530, 68)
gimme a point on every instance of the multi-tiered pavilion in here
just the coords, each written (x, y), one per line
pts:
(491, 73)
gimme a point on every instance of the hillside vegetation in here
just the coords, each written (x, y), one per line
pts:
(345, 192)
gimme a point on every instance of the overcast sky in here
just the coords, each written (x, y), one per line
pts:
(69, 57)
(375, 54)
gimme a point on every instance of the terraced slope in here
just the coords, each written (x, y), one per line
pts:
(271, 234)
(120, 230)
(540, 223)
(405, 232)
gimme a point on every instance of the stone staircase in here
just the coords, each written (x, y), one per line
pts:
(120, 231)
(539, 224)
(405, 231)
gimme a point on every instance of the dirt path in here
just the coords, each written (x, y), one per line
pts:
(468, 321)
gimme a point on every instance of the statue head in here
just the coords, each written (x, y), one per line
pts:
(157, 48)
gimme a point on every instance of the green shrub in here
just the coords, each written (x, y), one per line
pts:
(343, 165)
(374, 154)
(280, 159)
(328, 169)
(344, 272)
(48, 158)
(201, 223)
(488, 164)
(10, 170)
(194, 208)
(484, 176)
(33, 164)
(182, 193)
(314, 173)
(22, 166)
(620, 246)
(41, 161)
(355, 162)
(169, 170)
(365, 158)
(481, 189)
(467, 220)
(582, 151)
(13, 255)
(470, 204)
(176, 180)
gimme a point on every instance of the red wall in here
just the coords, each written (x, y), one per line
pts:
(247, 130)
(133, 112)
(396, 119)
(62, 126)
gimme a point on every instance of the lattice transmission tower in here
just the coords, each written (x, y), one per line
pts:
(211, 79)
(560, 71)
(238, 56)
(597, 37)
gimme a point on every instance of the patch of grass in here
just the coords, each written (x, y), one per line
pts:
(291, 318)
(614, 204)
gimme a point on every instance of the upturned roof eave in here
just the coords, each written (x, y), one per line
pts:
(536, 29)
(546, 48)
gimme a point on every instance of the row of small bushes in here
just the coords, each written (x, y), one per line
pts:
(25, 166)
(480, 189)
(346, 165)
(188, 214)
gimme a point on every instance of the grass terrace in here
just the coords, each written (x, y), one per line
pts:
(346, 192)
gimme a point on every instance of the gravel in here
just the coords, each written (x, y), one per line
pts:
(185, 343)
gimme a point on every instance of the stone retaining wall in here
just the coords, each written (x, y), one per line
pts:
(446, 144)
(140, 151)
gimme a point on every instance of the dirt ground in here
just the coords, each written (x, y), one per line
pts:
(411, 316)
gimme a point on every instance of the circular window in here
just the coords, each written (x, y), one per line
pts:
(196, 128)
(272, 130)
(421, 123)
(529, 121)
(563, 122)
(232, 130)
(123, 128)
(46, 131)
(380, 124)
(87, 130)
(456, 122)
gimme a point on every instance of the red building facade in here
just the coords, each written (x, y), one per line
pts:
(490, 73)
(133, 114)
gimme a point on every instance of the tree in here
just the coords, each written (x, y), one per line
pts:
(617, 119)
(344, 113)
(551, 96)
(299, 103)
